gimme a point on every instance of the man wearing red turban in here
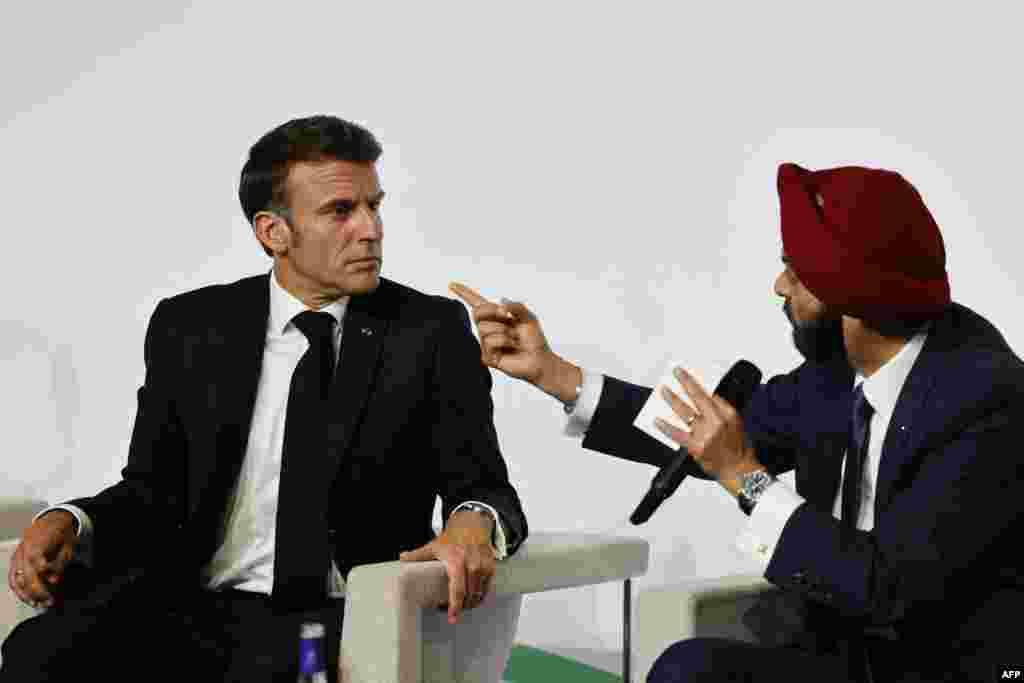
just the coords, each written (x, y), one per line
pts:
(896, 554)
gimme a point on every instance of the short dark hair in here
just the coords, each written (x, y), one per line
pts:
(314, 138)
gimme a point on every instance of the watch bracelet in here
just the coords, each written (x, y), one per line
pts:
(752, 486)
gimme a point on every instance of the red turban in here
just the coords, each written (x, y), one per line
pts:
(863, 242)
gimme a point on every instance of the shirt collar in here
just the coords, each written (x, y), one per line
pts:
(882, 389)
(284, 306)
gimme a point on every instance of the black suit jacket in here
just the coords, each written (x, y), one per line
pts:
(412, 420)
(941, 569)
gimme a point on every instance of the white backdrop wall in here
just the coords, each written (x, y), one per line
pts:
(610, 164)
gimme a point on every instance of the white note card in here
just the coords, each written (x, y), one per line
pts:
(657, 406)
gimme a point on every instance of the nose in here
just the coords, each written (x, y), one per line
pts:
(370, 227)
(782, 285)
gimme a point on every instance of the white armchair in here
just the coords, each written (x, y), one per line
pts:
(393, 631)
(697, 608)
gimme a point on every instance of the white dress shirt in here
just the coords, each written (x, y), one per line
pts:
(244, 559)
(779, 501)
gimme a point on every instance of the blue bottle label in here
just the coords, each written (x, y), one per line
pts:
(311, 656)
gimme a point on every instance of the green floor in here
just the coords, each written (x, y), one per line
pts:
(530, 665)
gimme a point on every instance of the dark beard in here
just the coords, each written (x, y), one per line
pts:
(817, 340)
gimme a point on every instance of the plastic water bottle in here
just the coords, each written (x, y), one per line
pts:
(312, 668)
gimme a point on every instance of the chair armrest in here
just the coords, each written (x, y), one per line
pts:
(383, 630)
(701, 607)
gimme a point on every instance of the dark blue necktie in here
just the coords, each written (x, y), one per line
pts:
(853, 481)
(301, 548)
(856, 453)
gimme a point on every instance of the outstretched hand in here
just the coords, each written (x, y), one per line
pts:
(512, 341)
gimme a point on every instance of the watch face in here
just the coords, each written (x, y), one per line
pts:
(754, 483)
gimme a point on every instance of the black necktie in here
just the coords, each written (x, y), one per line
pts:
(856, 453)
(301, 549)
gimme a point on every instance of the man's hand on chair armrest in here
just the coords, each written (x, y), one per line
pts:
(464, 547)
(38, 564)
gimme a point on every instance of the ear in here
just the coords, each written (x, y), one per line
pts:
(272, 231)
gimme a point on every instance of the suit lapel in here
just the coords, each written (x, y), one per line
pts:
(365, 325)
(901, 438)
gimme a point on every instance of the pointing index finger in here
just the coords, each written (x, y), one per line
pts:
(470, 296)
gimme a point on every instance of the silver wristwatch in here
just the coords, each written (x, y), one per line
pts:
(752, 485)
(476, 507)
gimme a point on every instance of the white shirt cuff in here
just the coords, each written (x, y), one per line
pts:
(83, 550)
(84, 523)
(764, 527)
(586, 405)
(500, 544)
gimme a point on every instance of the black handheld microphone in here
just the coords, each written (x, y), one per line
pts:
(736, 388)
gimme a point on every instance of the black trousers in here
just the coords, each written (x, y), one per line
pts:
(229, 636)
(730, 661)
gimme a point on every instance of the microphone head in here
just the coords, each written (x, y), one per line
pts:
(739, 384)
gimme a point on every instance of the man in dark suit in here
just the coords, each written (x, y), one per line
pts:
(897, 552)
(291, 426)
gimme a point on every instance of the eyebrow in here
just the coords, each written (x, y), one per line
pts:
(349, 203)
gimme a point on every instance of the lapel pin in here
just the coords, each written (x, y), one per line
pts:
(367, 332)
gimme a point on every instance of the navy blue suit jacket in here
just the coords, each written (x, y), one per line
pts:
(942, 567)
